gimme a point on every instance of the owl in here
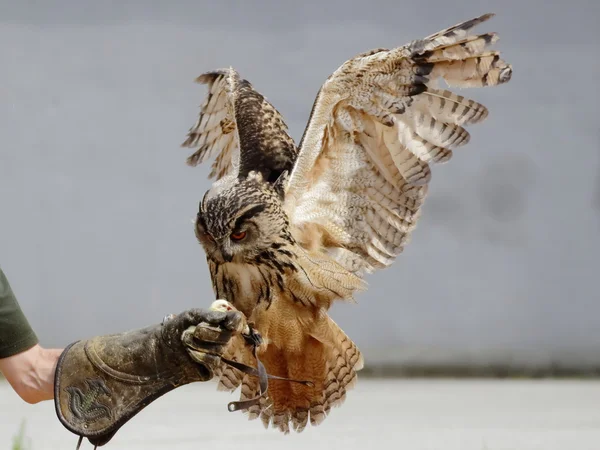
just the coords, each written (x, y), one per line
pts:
(288, 229)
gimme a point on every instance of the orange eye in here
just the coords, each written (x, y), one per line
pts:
(238, 236)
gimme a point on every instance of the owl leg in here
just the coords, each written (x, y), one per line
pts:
(255, 340)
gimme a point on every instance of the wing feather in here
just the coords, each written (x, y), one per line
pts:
(240, 129)
(377, 126)
(214, 134)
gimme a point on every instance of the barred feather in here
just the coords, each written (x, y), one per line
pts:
(348, 207)
(262, 144)
(214, 131)
(390, 125)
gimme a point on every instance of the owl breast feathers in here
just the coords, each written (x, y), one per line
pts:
(288, 229)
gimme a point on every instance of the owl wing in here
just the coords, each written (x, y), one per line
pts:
(241, 128)
(377, 126)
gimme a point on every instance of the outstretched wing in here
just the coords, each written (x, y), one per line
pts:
(239, 127)
(214, 133)
(377, 126)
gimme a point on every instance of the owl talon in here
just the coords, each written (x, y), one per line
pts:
(253, 337)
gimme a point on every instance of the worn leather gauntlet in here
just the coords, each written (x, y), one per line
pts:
(101, 383)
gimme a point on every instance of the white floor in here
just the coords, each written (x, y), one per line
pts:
(394, 414)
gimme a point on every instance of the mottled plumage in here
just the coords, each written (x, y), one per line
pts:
(234, 116)
(288, 230)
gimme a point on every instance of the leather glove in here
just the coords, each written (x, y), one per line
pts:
(102, 382)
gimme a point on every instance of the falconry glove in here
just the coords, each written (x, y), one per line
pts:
(102, 382)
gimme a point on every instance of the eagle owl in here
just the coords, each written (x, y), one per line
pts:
(289, 229)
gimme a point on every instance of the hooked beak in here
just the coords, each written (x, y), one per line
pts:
(226, 252)
(227, 257)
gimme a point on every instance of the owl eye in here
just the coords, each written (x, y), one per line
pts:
(238, 236)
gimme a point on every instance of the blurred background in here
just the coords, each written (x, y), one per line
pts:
(97, 203)
(500, 278)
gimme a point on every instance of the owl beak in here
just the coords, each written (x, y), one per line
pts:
(226, 254)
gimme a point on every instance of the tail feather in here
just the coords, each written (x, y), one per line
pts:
(250, 389)
(308, 365)
(266, 413)
(300, 419)
(280, 391)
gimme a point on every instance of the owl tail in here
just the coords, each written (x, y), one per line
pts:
(329, 360)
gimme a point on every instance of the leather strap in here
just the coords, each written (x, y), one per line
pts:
(255, 340)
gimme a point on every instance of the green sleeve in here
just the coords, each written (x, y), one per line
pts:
(16, 335)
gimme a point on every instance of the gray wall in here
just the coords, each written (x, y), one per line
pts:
(96, 202)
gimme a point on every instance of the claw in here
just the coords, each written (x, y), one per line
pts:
(253, 337)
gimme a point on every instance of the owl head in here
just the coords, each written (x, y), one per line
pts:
(239, 221)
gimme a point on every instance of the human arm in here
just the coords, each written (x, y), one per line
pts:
(28, 367)
(31, 373)
(99, 384)
(103, 382)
